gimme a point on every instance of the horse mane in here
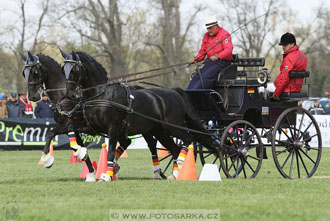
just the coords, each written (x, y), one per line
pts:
(43, 58)
(84, 57)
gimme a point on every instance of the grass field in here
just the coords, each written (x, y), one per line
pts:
(59, 194)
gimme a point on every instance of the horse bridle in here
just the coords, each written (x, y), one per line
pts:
(77, 65)
(36, 73)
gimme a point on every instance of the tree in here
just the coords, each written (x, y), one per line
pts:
(23, 36)
(319, 54)
(170, 39)
(101, 23)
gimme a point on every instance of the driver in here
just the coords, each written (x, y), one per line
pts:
(218, 57)
(293, 60)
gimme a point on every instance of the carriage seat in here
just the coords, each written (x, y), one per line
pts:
(299, 74)
(230, 72)
(251, 62)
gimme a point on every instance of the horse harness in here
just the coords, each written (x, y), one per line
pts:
(129, 110)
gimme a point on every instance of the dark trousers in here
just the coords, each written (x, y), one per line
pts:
(209, 73)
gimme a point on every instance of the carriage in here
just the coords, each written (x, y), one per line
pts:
(241, 120)
(246, 120)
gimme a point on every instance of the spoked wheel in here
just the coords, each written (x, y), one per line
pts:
(241, 150)
(296, 143)
(166, 162)
(166, 159)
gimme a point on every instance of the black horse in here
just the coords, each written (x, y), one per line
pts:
(114, 109)
(42, 70)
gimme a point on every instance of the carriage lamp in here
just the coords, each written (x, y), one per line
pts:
(263, 76)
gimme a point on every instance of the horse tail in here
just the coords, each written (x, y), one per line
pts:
(194, 122)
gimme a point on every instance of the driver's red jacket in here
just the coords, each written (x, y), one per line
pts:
(293, 60)
(223, 49)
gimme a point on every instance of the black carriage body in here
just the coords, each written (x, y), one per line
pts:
(236, 97)
(235, 108)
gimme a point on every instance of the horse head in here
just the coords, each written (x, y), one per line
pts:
(81, 71)
(74, 73)
(33, 73)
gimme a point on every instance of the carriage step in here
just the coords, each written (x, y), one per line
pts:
(264, 153)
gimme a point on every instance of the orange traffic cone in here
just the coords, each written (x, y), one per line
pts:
(51, 151)
(162, 152)
(102, 165)
(85, 169)
(188, 170)
(74, 159)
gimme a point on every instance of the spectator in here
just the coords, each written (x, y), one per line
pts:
(44, 108)
(317, 108)
(14, 108)
(5, 99)
(3, 108)
(28, 111)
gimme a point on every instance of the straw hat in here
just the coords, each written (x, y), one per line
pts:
(211, 21)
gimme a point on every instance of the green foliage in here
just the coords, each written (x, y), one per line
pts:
(59, 194)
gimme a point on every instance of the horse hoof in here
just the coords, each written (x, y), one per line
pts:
(47, 160)
(157, 175)
(105, 177)
(90, 177)
(81, 152)
(172, 177)
(116, 168)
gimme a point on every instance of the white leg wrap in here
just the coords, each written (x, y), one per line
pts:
(180, 163)
(157, 175)
(105, 177)
(48, 160)
(175, 173)
(156, 168)
(81, 152)
(90, 177)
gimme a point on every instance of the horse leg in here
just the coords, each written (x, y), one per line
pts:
(79, 151)
(152, 147)
(124, 143)
(46, 158)
(91, 176)
(176, 151)
(109, 175)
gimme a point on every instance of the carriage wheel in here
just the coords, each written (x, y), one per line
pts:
(166, 159)
(241, 150)
(296, 143)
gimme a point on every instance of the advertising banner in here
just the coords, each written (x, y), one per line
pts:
(30, 134)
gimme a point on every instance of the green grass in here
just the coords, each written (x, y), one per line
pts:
(59, 194)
